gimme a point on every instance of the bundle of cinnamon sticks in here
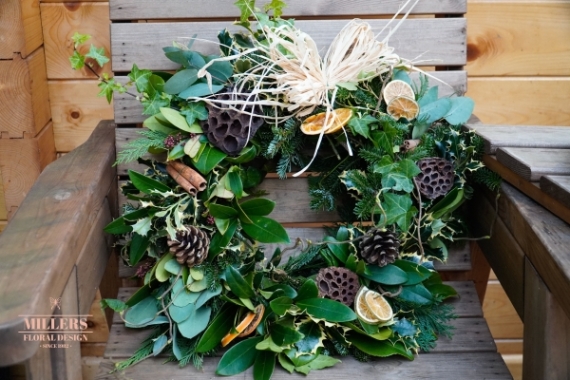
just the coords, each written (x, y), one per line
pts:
(188, 178)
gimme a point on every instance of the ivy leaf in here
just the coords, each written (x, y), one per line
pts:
(398, 182)
(399, 209)
(408, 168)
(153, 104)
(79, 39)
(77, 60)
(195, 111)
(360, 125)
(108, 87)
(246, 8)
(140, 78)
(276, 6)
(238, 358)
(98, 54)
(113, 304)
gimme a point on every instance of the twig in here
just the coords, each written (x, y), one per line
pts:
(422, 253)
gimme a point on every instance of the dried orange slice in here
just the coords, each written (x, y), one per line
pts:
(402, 106)
(337, 119)
(362, 309)
(251, 318)
(378, 305)
(397, 88)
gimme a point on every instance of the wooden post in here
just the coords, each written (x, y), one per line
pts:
(546, 331)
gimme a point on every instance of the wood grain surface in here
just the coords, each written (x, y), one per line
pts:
(558, 187)
(60, 21)
(516, 38)
(149, 9)
(50, 227)
(141, 43)
(20, 27)
(500, 314)
(76, 111)
(533, 163)
(24, 95)
(3, 209)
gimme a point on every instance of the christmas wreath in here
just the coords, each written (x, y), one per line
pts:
(383, 150)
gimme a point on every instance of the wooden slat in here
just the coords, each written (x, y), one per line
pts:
(521, 100)
(501, 40)
(533, 163)
(3, 224)
(141, 43)
(50, 227)
(24, 89)
(509, 346)
(3, 209)
(506, 136)
(149, 9)
(500, 314)
(60, 21)
(465, 366)
(129, 110)
(547, 331)
(557, 187)
(76, 111)
(20, 27)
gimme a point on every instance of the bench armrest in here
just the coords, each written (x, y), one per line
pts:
(42, 243)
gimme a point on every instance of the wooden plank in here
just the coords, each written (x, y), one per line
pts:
(514, 363)
(93, 258)
(501, 250)
(559, 209)
(24, 88)
(521, 100)
(96, 322)
(500, 41)
(60, 21)
(543, 237)
(3, 224)
(506, 136)
(39, 367)
(503, 320)
(558, 187)
(547, 331)
(148, 9)
(465, 366)
(533, 163)
(509, 346)
(41, 242)
(19, 175)
(3, 209)
(141, 43)
(20, 27)
(76, 111)
(129, 110)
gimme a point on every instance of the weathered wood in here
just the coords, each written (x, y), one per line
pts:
(521, 100)
(3, 209)
(18, 175)
(148, 9)
(558, 187)
(67, 195)
(24, 89)
(533, 163)
(558, 208)
(500, 42)
(76, 111)
(501, 249)
(465, 366)
(93, 258)
(503, 136)
(129, 110)
(39, 366)
(96, 322)
(509, 346)
(547, 331)
(60, 21)
(504, 321)
(133, 43)
(20, 27)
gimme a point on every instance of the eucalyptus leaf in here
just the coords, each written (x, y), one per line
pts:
(143, 312)
(181, 81)
(195, 325)
(435, 110)
(180, 314)
(208, 294)
(238, 358)
(460, 111)
(327, 309)
(200, 89)
(161, 274)
(172, 266)
(221, 71)
(159, 345)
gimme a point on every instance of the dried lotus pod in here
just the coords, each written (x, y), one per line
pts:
(436, 178)
(339, 284)
(228, 129)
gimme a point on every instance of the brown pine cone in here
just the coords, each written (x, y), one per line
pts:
(379, 247)
(190, 247)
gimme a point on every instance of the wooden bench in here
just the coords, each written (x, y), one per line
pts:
(55, 245)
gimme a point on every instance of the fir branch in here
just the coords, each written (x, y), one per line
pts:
(144, 351)
(488, 178)
(138, 148)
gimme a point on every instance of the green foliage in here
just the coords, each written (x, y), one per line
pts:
(98, 54)
(136, 149)
(79, 39)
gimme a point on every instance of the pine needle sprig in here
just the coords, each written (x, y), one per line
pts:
(488, 178)
(144, 351)
(138, 148)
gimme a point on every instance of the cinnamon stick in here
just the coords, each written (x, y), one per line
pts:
(410, 145)
(190, 175)
(183, 182)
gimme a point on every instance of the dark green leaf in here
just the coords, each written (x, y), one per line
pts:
(416, 294)
(312, 338)
(442, 291)
(146, 184)
(448, 203)
(280, 305)
(283, 289)
(330, 310)
(360, 126)
(238, 285)
(397, 181)
(236, 186)
(138, 247)
(340, 251)
(257, 207)
(379, 348)
(221, 211)
(117, 227)
(238, 358)
(219, 242)
(251, 177)
(266, 230)
(387, 275)
(208, 158)
(140, 78)
(264, 365)
(181, 81)
(399, 209)
(308, 290)
(284, 336)
(196, 323)
(217, 329)
(416, 273)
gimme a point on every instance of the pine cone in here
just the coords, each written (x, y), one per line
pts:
(228, 129)
(339, 284)
(190, 247)
(436, 178)
(379, 247)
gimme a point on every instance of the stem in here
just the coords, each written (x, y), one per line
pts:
(422, 253)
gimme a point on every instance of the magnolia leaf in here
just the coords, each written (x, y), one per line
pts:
(221, 211)
(282, 289)
(98, 54)
(238, 285)
(284, 336)
(220, 325)
(195, 325)
(179, 121)
(308, 290)
(200, 89)
(321, 361)
(208, 158)
(266, 230)
(264, 365)
(219, 241)
(180, 81)
(387, 275)
(138, 246)
(416, 294)
(238, 358)
(118, 226)
(416, 273)
(280, 305)
(340, 251)
(234, 183)
(327, 309)
(257, 207)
